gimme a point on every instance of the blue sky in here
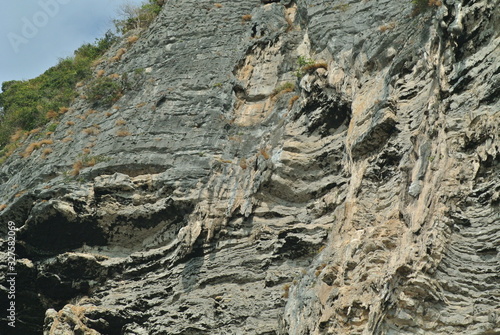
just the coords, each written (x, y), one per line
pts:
(35, 34)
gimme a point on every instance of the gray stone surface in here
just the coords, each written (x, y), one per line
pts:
(364, 201)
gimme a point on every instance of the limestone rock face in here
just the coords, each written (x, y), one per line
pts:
(232, 190)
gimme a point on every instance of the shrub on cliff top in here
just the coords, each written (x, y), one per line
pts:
(137, 17)
(28, 104)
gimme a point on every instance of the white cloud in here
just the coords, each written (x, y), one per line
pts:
(34, 34)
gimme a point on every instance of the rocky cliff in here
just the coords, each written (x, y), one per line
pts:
(234, 190)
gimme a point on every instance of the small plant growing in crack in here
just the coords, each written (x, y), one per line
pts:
(283, 88)
(308, 65)
(302, 61)
(86, 161)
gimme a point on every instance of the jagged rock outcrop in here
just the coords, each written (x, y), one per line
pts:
(210, 199)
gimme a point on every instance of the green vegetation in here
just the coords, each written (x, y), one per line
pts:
(32, 103)
(304, 61)
(307, 65)
(136, 17)
(301, 62)
(105, 91)
(139, 71)
(52, 127)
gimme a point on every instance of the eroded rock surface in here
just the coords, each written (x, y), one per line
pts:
(363, 199)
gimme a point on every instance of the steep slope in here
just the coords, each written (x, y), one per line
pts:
(215, 197)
